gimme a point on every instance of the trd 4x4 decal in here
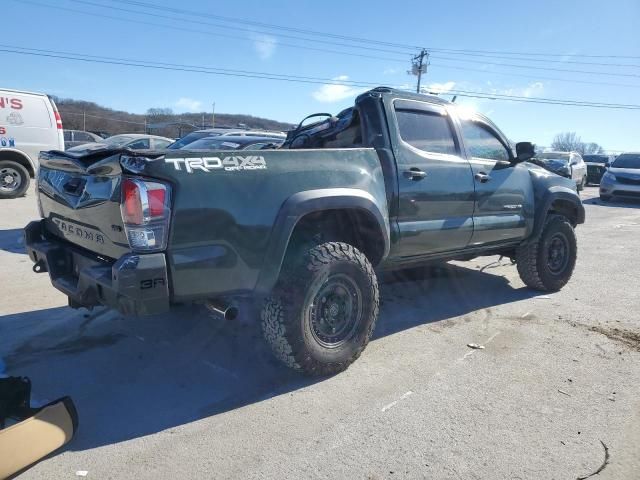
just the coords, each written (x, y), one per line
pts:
(211, 164)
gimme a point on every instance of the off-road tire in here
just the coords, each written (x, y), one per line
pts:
(285, 316)
(532, 257)
(23, 179)
(605, 198)
(582, 183)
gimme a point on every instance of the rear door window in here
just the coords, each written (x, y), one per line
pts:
(143, 143)
(426, 131)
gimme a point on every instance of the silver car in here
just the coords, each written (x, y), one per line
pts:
(622, 178)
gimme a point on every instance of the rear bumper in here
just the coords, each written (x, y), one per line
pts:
(133, 285)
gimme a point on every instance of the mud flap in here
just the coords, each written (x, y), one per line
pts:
(38, 431)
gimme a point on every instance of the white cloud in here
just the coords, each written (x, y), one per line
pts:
(438, 88)
(265, 45)
(533, 89)
(334, 92)
(390, 71)
(188, 104)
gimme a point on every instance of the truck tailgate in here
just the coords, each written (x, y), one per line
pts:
(79, 196)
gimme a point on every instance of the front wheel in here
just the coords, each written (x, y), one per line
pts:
(14, 179)
(547, 262)
(605, 198)
(323, 311)
(582, 183)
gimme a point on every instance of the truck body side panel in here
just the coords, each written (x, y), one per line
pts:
(223, 217)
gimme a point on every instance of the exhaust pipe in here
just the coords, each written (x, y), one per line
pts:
(222, 310)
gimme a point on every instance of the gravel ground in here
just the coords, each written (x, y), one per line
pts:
(183, 396)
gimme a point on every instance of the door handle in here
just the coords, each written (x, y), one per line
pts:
(482, 177)
(415, 174)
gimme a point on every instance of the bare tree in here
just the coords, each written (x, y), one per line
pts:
(567, 142)
(592, 149)
(571, 142)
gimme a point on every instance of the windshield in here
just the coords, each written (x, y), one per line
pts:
(553, 156)
(118, 140)
(190, 137)
(627, 160)
(595, 158)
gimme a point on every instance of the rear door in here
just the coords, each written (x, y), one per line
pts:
(435, 183)
(503, 191)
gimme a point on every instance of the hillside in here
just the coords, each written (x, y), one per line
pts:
(81, 115)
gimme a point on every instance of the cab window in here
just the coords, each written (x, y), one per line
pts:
(482, 142)
(426, 131)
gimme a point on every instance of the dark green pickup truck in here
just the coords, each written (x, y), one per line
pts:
(398, 180)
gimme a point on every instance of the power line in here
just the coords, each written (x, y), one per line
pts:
(190, 30)
(249, 31)
(288, 78)
(346, 37)
(531, 67)
(207, 32)
(173, 19)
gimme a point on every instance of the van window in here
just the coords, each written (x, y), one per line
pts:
(24, 111)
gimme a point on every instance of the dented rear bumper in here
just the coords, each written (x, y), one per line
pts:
(135, 284)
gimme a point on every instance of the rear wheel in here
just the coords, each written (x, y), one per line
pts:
(14, 179)
(582, 183)
(547, 262)
(323, 310)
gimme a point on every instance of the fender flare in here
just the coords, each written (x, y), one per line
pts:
(302, 203)
(551, 195)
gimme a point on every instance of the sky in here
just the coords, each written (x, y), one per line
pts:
(564, 31)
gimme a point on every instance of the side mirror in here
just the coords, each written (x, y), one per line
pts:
(525, 151)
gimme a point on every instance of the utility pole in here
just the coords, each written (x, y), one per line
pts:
(213, 115)
(419, 65)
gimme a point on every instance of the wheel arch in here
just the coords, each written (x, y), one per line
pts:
(561, 201)
(369, 226)
(19, 157)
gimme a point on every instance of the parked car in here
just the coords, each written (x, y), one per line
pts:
(229, 142)
(596, 166)
(132, 141)
(566, 164)
(398, 180)
(73, 138)
(101, 133)
(29, 123)
(622, 178)
(213, 132)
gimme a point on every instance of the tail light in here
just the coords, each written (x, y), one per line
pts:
(145, 208)
(58, 120)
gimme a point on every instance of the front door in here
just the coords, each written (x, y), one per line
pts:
(436, 192)
(503, 190)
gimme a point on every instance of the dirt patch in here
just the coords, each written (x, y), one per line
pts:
(626, 337)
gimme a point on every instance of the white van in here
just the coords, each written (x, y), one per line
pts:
(29, 123)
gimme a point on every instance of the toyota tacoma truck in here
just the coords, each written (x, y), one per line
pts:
(398, 180)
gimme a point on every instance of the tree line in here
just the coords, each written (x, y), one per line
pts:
(571, 142)
(82, 115)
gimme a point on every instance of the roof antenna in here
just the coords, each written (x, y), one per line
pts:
(453, 100)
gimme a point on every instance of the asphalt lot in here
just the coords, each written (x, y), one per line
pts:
(183, 396)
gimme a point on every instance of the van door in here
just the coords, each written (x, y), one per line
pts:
(435, 183)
